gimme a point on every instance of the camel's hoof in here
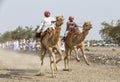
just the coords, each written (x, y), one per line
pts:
(87, 63)
(78, 59)
(67, 70)
(53, 76)
(40, 74)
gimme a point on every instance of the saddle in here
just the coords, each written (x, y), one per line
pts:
(42, 34)
(75, 32)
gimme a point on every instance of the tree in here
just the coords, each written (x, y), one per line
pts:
(29, 32)
(115, 34)
(6, 37)
(111, 32)
(18, 33)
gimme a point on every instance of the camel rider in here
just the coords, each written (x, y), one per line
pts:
(47, 23)
(71, 26)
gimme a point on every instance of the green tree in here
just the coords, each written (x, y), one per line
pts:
(18, 33)
(6, 37)
(105, 31)
(29, 32)
(111, 32)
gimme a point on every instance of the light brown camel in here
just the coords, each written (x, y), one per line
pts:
(49, 42)
(75, 40)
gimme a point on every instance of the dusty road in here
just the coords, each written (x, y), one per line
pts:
(18, 67)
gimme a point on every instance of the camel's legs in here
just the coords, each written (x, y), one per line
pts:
(52, 61)
(42, 59)
(83, 53)
(68, 59)
(42, 55)
(76, 53)
(65, 59)
(60, 54)
(66, 56)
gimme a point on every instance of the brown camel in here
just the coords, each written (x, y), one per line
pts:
(73, 41)
(49, 42)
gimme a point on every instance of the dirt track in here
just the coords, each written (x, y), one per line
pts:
(17, 67)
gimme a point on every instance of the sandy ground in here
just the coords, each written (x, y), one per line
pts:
(19, 67)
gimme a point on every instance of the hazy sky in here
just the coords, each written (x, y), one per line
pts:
(30, 13)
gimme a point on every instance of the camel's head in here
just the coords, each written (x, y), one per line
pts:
(87, 26)
(59, 20)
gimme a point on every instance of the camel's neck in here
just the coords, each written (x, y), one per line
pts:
(57, 32)
(84, 34)
(80, 38)
(56, 35)
(58, 29)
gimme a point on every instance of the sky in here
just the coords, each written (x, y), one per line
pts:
(14, 13)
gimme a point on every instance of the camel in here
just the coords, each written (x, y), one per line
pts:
(49, 42)
(74, 41)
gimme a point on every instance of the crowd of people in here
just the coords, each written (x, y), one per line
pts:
(29, 45)
(24, 45)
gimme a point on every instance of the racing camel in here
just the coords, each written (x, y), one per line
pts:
(49, 42)
(73, 41)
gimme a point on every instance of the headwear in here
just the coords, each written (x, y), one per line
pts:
(47, 13)
(71, 18)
